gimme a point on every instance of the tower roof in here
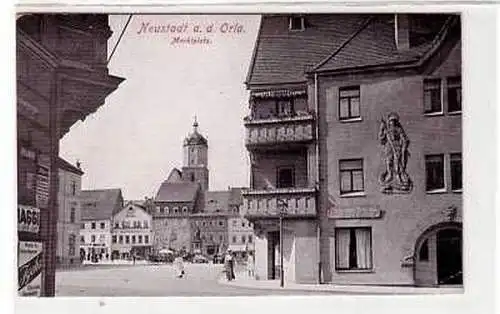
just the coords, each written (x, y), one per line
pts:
(195, 138)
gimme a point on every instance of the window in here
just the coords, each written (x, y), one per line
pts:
(161, 210)
(250, 239)
(192, 174)
(82, 226)
(139, 238)
(127, 239)
(103, 225)
(73, 188)
(133, 239)
(284, 108)
(120, 239)
(221, 223)
(353, 248)
(351, 176)
(243, 239)
(184, 209)
(113, 238)
(423, 254)
(432, 96)
(92, 238)
(176, 210)
(204, 223)
(82, 239)
(243, 224)
(93, 225)
(72, 245)
(234, 239)
(456, 171)
(296, 23)
(145, 224)
(285, 177)
(167, 210)
(434, 170)
(454, 94)
(117, 225)
(221, 238)
(72, 215)
(349, 98)
(211, 237)
(146, 239)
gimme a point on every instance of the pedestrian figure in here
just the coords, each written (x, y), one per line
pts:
(179, 266)
(250, 265)
(229, 265)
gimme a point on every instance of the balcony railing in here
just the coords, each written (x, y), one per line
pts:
(299, 202)
(276, 130)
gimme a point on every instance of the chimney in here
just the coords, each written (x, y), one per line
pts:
(402, 31)
(78, 164)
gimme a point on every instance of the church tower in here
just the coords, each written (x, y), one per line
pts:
(195, 151)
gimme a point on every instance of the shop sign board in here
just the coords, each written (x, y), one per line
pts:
(28, 219)
(29, 268)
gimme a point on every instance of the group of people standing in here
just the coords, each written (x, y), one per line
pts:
(229, 265)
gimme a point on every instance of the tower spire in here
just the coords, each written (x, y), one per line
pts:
(195, 124)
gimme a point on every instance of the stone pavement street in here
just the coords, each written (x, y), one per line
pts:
(154, 281)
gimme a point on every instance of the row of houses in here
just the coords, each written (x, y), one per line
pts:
(183, 216)
(354, 136)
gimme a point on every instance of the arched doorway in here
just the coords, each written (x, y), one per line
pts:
(438, 256)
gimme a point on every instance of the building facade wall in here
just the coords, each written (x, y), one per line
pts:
(96, 240)
(241, 236)
(132, 233)
(403, 216)
(171, 232)
(69, 218)
(212, 232)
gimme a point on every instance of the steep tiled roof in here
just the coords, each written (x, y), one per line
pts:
(177, 192)
(100, 204)
(374, 45)
(217, 201)
(236, 196)
(283, 56)
(64, 165)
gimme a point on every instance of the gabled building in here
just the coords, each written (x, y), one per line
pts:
(131, 234)
(69, 216)
(355, 136)
(187, 216)
(98, 209)
(174, 202)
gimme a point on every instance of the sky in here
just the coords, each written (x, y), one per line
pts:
(134, 140)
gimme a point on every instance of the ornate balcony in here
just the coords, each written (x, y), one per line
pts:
(280, 130)
(261, 204)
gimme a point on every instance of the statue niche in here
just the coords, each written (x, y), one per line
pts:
(392, 137)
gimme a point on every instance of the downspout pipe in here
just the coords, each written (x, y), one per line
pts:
(317, 183)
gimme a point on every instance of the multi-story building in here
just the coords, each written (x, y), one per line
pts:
(131, 234)
(98, 208)
(240, 235)
(62, 77)
(68, 219)
(385, 91)
(188, 216)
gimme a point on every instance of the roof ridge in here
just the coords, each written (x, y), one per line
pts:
(439, 39)
(367, 22)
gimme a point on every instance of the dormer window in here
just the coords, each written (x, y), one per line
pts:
(296, 23)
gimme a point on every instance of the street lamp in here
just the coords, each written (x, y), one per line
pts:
(282, 206)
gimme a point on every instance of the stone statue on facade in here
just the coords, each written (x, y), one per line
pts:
(395, 142)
